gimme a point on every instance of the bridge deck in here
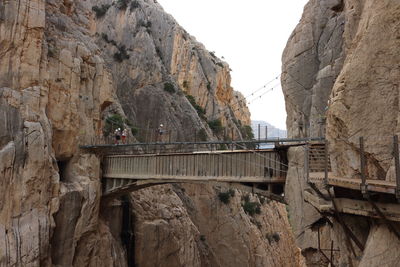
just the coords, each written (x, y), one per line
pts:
(355, 184)
(265, 167)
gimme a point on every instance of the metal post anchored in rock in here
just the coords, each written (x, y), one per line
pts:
(266, 132)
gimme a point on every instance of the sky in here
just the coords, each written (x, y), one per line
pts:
(250, 36)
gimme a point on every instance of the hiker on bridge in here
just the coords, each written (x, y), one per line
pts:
(117, 134)
(160, 132)
(124, 135)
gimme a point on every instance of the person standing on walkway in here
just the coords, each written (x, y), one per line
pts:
(124, 134)
(117, 134)
(160, 132)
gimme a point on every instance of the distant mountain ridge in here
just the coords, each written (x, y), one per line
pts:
(272, 130)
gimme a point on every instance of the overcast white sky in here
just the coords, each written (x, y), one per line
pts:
(251, 36)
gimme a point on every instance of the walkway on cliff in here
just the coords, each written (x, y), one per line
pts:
(129, 167)
(242, 165)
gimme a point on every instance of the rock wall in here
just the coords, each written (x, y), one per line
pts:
(157, 51)
(190, 226)
(340, 80)
(312, 60)
(65, 67)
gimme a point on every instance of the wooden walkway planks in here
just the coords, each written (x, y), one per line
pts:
(355, 184)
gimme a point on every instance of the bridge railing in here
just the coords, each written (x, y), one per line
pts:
(248, 166)
(317, 160)
(131, 146)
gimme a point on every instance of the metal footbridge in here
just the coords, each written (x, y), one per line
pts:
(256, 166)
(244, 165)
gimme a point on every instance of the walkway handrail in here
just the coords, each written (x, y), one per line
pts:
(261, 141)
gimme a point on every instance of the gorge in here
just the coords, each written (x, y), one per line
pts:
(73, 70)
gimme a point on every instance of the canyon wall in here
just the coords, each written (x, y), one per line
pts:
(340, 80)
(66, 68)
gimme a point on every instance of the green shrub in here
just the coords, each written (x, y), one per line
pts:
(113, 122)
(208, 86)
(216, 126)
(134, 131)
(220, 64)
(202, 238)
(247, 132)
(202, 134)
(224, 197)
(250, 207)
(122, 4)
(169, 87)
(185, 84)
(222, 147)
(128, 122)
(121, 55)
(104, 36)
(246, 198)
(200, 111)
(100, 11)
(134, 4)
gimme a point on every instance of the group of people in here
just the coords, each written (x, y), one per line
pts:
(120, 136)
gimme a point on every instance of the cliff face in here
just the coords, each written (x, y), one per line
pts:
(154, 51)
(311, 61)
(190, 226)
(348, 54)
(65, 67)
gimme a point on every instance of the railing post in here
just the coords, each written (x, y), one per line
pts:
(362, 166)
(326, 161)
(397, 165)
(232, 139)
(266, 132)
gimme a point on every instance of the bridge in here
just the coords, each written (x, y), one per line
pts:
(245, 166)
(264, 171)
(130, 167)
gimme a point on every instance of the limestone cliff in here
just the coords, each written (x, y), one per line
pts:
(66, 66)
(340, 72)
(190, 226)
